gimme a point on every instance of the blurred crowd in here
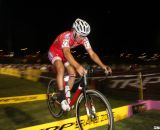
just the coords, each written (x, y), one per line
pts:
(123, 68)
(44, 67)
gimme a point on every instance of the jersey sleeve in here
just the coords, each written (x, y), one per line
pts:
(65, 41)
(86, 43)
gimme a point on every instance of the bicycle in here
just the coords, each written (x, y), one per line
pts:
(94, 102)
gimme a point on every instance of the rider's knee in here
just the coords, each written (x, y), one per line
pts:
(72, 75)
(72, 72)
(60, 68)
(60, 71)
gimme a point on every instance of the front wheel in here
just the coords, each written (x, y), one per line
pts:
(94, 111)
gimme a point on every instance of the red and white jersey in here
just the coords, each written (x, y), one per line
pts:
(66, 39)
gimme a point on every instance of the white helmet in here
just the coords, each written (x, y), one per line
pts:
(81, 27)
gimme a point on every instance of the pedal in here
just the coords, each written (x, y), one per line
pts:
(54, 97)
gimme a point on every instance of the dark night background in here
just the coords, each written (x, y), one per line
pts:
(115, 28)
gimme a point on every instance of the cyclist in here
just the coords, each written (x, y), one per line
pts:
(60, 56)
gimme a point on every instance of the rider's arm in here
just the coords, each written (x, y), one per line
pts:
(69, 57)
(92, 54)
(95, 58)
(73, 62)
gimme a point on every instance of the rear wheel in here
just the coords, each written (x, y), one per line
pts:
(96, 112)
(53, 105)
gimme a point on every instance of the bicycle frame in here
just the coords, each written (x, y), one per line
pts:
(81, 89)
(82, 97)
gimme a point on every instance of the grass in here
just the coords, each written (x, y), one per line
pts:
(27, 114)
(141, 121)
(12, 86)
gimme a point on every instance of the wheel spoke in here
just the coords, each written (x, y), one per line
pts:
(99, 114)
(53, 105)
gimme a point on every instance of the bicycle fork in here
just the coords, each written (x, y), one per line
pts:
(90, 109)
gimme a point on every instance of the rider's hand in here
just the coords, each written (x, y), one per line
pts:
(81, 71)
(108, 70)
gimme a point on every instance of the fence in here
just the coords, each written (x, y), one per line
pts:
(139, 84)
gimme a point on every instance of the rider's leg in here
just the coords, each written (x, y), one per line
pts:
(58, 64)
(72, 73)
(59, 67)
(60, 75)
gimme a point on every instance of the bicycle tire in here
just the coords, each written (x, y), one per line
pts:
(93, 95)
(54, 108)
